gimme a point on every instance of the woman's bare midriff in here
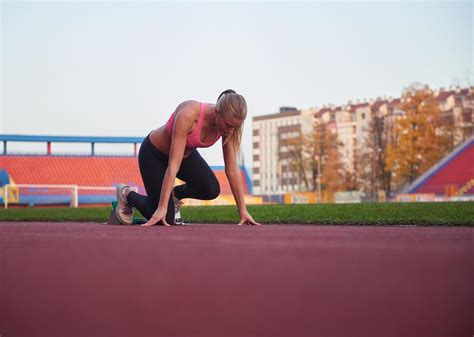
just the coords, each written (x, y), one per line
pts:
(161, 139)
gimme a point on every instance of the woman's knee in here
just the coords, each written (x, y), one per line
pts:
(212, 189)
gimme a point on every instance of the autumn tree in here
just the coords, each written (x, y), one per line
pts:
(323, 152)
(332, 172)
(305, 152)
(350, 179)
(376, 175)
(421, 138)
(297, 160)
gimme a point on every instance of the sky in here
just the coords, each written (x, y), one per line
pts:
(120, 68)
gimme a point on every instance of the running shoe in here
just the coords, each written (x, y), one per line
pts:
(123, 211)
(177, 213)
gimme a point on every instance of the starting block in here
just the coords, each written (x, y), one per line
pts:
(137, 220)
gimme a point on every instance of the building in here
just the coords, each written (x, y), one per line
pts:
(272, 171)
(457, 105)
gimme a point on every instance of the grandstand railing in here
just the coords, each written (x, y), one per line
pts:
(44, 194)
(68, 139)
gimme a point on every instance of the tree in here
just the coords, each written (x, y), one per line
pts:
(324, 147)
(350, 174)
(305, 152)
(297, 159)
(421, 137)
(332, 172)
(376, 175)
(317, 150)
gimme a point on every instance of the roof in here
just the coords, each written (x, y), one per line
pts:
(395, 101)
(321, 112)
(354, 107)
(377, 104)
(277, 115)
(443, 95)
(70, 139)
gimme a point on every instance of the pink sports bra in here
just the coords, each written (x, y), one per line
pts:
(194, 138)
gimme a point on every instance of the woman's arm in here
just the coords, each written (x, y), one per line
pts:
(233, 175)
(183, 123)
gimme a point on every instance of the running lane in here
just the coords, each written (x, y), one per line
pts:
(78, 279)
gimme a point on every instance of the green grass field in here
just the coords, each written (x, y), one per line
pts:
(426, 214)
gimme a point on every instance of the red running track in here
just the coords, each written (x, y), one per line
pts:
(78, 279)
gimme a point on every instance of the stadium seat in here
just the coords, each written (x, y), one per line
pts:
(106, 171)
(457, 171)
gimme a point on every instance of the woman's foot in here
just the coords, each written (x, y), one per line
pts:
(177, 213)
(123, 211)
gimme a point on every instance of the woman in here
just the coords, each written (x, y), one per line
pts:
(170, 151)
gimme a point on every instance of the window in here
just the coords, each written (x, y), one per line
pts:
(363, 116)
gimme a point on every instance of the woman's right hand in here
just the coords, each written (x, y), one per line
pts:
(159, 215)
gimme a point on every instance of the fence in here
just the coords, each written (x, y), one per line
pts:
(72, 195)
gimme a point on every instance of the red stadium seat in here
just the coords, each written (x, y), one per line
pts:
(456, 172)
(87, 171)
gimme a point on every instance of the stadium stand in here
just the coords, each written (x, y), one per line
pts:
(97, 171)
(455, 171)
(90, 174)
(72, 170)
(85, 171)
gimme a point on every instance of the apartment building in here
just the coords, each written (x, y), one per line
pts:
(458, 104)
(272, 173)
(351, 122)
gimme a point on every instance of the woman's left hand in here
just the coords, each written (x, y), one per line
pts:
(246, 219)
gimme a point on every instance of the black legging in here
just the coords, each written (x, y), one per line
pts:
(200, 181)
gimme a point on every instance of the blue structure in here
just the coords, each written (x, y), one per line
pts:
(68, 139)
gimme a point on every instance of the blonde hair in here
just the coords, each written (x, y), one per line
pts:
(230, 103)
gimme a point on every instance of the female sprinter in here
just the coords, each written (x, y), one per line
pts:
(170, 151)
